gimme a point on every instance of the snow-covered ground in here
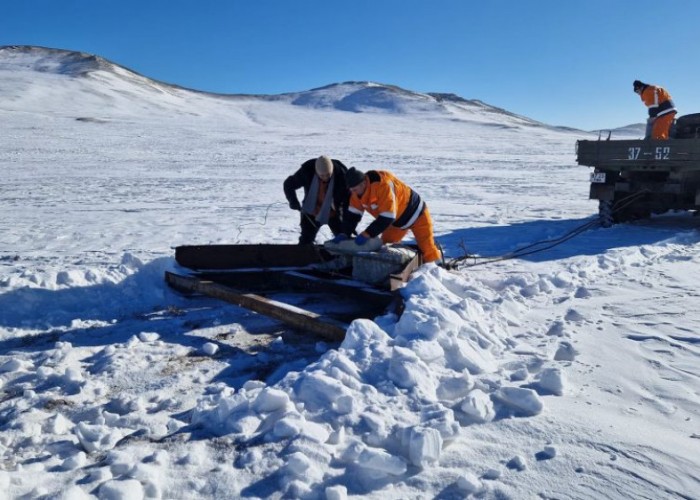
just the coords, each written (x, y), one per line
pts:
(568, 373)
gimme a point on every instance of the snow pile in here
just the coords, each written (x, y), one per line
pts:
(436, 368)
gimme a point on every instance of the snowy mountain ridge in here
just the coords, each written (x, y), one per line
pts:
(109, 78)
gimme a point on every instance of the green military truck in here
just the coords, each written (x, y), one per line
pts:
(634, 178)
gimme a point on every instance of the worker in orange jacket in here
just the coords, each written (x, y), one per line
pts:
(396, 207)
(662, 110)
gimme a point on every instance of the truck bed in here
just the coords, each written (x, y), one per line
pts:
(671, 155)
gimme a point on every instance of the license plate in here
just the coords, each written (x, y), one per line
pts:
(598, 177)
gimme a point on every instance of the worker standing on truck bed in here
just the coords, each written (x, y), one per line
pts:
(662, 110)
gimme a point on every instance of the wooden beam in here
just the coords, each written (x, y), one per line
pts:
(344, 288)
(301, 279)
(294, 316)
(398, 280)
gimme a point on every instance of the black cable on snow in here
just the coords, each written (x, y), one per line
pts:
(460, 262)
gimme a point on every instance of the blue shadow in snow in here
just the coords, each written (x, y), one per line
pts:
(495, 241)
(113, 313)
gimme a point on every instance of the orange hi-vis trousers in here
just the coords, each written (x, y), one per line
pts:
(662, 125)
(422, 231)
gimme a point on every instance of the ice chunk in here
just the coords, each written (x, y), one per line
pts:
(478, 406)
(462, 354)
(121, 490)
(406, 370)
(492, 474)
(318, 433)
(425, 446)
(382, 462)
(349, 247)
(336, 493)
(148, 336)
(549, 452)
(246, 424)
(455, 387)
(552, 380)
(74, 462)
(565, 352)
(362, 333)
(58, 424)
(440, 418)
(298, 463)
(525, 401)
(337, 436)
(376, 267)
(270, 400)
(344, 405)
(318, 390)
(517, 462)
(469, 483)
(210, 348)
(286, 428)
(427, 350)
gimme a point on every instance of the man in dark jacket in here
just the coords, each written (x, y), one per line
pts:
(325, 196)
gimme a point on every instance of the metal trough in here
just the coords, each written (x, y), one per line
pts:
(246, 275)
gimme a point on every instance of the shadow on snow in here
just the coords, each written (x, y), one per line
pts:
(495, 241)
(113, 313)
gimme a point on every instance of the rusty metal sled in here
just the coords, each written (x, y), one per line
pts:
(251, 276)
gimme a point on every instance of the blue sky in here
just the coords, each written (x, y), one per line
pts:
(562, 62)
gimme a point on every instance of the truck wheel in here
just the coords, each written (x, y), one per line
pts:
(605, 213)
(617, 211)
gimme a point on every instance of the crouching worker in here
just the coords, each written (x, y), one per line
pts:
(325, 196)
(396, 207)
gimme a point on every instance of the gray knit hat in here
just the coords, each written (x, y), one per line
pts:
(354, 177)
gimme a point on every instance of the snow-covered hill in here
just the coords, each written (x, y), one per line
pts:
(569, 373)
(97, 83)
(361, 97)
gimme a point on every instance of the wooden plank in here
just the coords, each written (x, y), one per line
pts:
(252, 279)
(299, 279)
(242, 256)
(294, 316)
(398, 280)
(343, 288)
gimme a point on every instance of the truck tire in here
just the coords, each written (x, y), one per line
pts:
(615, 211)
(605, 213)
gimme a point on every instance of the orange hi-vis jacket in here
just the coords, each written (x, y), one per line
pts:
(658, 100)
(397, 209)
(389, 198)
